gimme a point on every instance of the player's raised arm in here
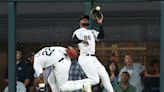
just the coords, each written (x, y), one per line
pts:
(97, 16)
(101, 32)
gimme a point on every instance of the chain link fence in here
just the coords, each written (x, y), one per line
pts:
(130, 27)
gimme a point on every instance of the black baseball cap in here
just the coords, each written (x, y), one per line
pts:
(84, 17)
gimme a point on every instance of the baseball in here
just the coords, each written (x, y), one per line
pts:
(98, 8)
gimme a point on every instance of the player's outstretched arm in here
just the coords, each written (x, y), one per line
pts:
(101, 32)
(100, 21)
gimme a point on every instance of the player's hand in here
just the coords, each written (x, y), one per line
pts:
(26, 82)
(85, 42)
(39, 80)
(99, 21)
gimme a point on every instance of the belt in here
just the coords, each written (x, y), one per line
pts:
(61, 59)
(90, 54)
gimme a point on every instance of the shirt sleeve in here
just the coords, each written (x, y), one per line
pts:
(95, 34)
(75, 40)
(78, 34)
(61, 49)
(38, 68)
(77, 37)
(119, 76)
(141, 68)
(101, 33)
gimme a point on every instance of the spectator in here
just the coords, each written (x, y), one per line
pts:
(124, 85)
(112, 70)
(114, 57)
(134, 69)
(21, 70)
(113, 73)
(31, 71)
(154, 70)
(151, 80)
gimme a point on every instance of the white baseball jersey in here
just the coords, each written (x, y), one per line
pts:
(88, 35)
(58, 78)
(46, 57)
(90, 64)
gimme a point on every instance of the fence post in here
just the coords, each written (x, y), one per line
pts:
(88, 7)
(162, 47)
(11, 46)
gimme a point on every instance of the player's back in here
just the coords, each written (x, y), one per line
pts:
(49, 55)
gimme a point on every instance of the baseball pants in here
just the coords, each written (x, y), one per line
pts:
(95, 70)
(58, 79)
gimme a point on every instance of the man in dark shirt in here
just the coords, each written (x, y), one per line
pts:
(21, 70)
(124, 85)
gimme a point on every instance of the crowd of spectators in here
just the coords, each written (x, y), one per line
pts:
(131, 77)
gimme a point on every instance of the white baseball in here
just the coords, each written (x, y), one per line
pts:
(98, 8)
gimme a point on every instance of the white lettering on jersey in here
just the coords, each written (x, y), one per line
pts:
(46, 57)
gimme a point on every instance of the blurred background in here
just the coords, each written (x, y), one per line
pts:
(130, 26)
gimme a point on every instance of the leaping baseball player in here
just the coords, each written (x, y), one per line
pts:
(59, 57)
(85, 39)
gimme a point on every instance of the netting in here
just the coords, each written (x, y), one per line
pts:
(130, 27)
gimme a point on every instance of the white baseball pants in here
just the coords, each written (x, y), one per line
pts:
(95, 70)
(61, 73)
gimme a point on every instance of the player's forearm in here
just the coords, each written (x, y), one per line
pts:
(76, 40)
(38, 69)
(101, 32)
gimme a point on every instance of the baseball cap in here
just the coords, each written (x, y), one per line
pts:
(84, 17)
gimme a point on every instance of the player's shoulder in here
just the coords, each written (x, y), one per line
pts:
(137, 64)
(79, 30)
(57, 47)
(52, 47)
(93, 30)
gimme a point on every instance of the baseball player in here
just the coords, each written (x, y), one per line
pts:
(59, 58)
(85, 39)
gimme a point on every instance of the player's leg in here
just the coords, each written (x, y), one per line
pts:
(87, 64)
(103, 76)
(62, 72)
(76, 85)
(52, 82)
